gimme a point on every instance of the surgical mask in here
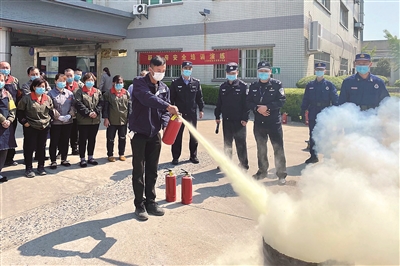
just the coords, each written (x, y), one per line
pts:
(5, 71)
(2, 85)
(187, 72)
(319, 73)
(77, 77)
(89, 84)
(158, 76)
(61, 85)
(34, 77)
(263, 75)
(119, 86)
(231, 77)
(362, 69)
(70, 80)
(40, 90)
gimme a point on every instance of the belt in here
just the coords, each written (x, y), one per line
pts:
(365, 107)
(322, 104)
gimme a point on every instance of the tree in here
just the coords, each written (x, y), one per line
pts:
(382, 68)
(371, 52)
(394, 46)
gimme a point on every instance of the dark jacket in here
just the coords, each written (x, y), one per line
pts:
(317, 96)
(87, 103)
(187, 97)
(36, 113)
(149, 106)
(12, 86)
(231, 101)
(7, 112)
(116, 106)
(270, 94)
(366, 93)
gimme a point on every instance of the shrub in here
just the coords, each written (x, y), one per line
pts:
(385, 79)
(335, 80)
(294, 97)
(210, 94)
(343, 77)
(397, 83)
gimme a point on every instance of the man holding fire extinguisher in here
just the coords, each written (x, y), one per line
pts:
(186, 94)
(319, 94)
(150, 114)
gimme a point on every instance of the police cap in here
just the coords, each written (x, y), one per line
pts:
(231, 67)
(320, 65)
(365, 57)
(264, 64)
(187, 64)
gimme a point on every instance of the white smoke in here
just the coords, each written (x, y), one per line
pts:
(349, 209)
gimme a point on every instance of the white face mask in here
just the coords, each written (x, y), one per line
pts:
(158, 76)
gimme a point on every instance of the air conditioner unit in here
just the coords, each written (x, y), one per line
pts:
(315, 36)
(356, 1)
(359, 25)
(140, 9)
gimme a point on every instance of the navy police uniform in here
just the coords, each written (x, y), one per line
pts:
(232, 105)
(317, 96)
(187, 97)
(273, 96)
(365, 93)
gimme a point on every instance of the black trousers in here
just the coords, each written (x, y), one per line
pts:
(110, 134)
(176, 148)
(87, 135)
(74, 135)
(233, 130)
(11, 152)
(34, 139)
(145, 162)
(311, 125)
(59, 138)
(275, 133)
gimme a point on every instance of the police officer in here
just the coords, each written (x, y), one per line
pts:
(266, 97)
(363, 88)
(232, 105)
(186, 94)
(319, 94)
(12, 86)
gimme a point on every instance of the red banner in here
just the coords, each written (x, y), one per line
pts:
(197, 57)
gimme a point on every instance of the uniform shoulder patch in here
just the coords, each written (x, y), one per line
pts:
(376, 86)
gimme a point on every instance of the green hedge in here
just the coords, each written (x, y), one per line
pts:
(335, 80)
(210, 94)
(397, 83)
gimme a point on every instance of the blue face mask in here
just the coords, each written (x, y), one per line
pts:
(70, 80)
(89, 84)
(231, 77)
(119, 86)
(5, 71)
(263, 75)
(362, 69)
(2, 85)
(40, 90)
(187, 72)
(34, 77)
(61, 85)
(319, 73)
(77, 77)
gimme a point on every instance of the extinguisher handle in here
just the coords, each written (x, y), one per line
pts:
(217, 128)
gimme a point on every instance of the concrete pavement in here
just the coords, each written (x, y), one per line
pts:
(75, 216)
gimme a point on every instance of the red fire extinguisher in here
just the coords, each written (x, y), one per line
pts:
(284, 118)
(172, 130)
(306, 115)
(170, 186)
(187, 188)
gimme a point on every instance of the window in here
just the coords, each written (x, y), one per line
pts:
(323, 58)
(248, 60)
(159, 2)
(325, 3)
(344, 67)
(344, 15)
(356, 30)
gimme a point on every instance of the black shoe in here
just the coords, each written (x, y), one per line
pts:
(93, 162)
(260, 175)
(11, 163)
(282, 181)
(75, 152)
(29, 173)
(41, 170)
(141, 213)
(175, 162)
(153, 209)
(3, 179)
(194, 160)
(83, 163)
(312, 159)
(65, 163)
(53, 165)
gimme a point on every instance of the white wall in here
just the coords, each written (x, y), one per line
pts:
(20, 61)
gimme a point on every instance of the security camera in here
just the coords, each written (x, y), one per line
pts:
(202, 13)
